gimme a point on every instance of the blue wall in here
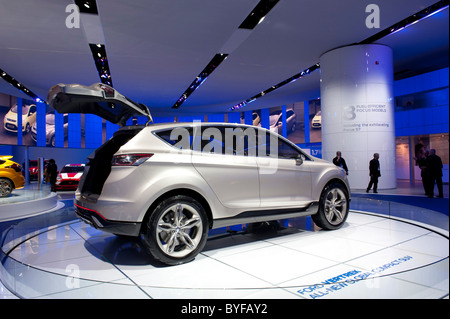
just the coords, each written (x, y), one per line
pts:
(427, 119)
(430, 117)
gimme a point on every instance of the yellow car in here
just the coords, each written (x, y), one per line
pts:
(10, 176)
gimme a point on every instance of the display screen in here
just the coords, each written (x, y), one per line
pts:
(43, 126)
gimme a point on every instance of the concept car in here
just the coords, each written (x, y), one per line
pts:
(170, 183)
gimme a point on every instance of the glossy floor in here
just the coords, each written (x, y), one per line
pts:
(370, 257)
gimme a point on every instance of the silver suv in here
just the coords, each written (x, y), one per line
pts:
(170, 183)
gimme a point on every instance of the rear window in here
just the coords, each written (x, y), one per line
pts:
(175, 136)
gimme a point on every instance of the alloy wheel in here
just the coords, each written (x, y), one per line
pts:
(179, 230)
(335, 206)
(5, 187)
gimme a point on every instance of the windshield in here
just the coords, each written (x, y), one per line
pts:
(72, 169)
(273, 118)
(24, 109)
(50, 119)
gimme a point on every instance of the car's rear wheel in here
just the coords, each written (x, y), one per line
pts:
(6, 187)
(176, 230)
(333, 207)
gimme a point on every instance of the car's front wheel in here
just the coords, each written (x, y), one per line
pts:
(333, 207)
(176, 230)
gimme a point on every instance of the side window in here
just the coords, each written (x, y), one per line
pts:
(276, 147)
(230, 141)
(32, 109)
(212, 140)
(179, 137)
(287, 151)
(240, 141)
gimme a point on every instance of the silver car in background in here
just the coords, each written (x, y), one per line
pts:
(170, 183)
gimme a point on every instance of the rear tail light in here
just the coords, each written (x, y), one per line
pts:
(16, 167)
(130, 159)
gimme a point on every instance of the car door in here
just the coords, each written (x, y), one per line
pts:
(221, 156)
(285, 174)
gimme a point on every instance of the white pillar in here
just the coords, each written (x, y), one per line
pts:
(358, 110)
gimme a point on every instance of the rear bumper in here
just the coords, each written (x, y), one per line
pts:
(19, 181)
(96, 220)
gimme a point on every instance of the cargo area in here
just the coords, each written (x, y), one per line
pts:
(98, 166)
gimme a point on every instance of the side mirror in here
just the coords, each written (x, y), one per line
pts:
(299, 160)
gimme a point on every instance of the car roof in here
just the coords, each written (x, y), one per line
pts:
(158, 126)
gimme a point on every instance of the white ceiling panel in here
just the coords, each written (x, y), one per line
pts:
(156, 48)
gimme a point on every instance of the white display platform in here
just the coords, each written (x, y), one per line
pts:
(372, 256)
(28, 201)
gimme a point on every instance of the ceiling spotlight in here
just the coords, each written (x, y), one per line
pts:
(201, 78)
(258, 14)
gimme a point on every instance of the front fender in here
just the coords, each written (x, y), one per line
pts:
(322, 174)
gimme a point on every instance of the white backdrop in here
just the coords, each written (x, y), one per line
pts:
(358, 110)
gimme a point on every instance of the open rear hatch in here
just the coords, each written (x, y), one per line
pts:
(99, 99)
(98, 164)
(106, 102)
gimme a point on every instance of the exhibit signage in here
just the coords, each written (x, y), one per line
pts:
(334, 284)
(358, 112)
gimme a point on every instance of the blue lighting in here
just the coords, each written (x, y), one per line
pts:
(409, 21)
(212, 65)
(421, 15)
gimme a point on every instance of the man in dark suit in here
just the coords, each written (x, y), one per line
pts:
(374, 172)
(339, 161)
(434, 168)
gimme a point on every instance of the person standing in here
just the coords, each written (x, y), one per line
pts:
(422, 163)
(52, 172)
(340, 161)
(434, 167)
(374, 173)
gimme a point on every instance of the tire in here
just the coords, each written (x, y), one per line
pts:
(176, 230)
(333, 207)
(6, 187)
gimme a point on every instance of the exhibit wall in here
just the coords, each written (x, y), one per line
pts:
(421, 116)
(356, 90)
